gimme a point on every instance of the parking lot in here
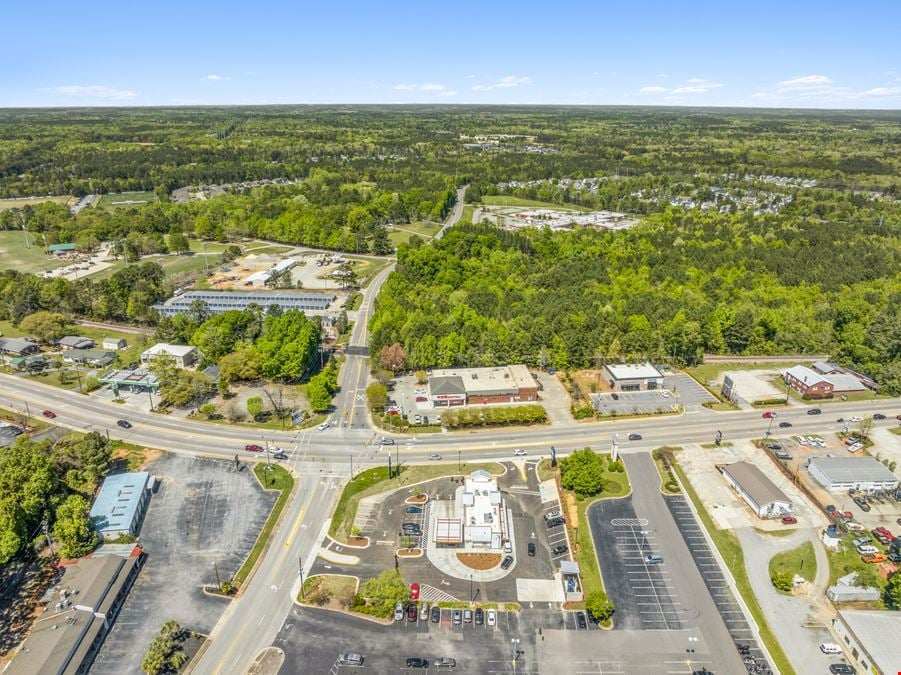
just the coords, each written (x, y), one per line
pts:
(183, 536)
(634, 402)
(644, 596)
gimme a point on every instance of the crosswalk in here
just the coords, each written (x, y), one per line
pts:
(432, 594)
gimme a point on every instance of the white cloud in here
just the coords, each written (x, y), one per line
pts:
(804, 82)
(689, 90)
(821, 90)
(428, 86)
(652, 89)
(507, 82)
(216, 78)
(447, 93)
(881, 91)
(93, 91)
(697, 85)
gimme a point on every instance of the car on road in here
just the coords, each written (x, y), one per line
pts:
(458, 617)
(323, 426)
(414, 591)
(444, 662)
(417, 663)
(467, 616)
(519, 452)
(492, 617)
(785, 425)
(49, 414)
(411, 613)
(789, 520)
(814, 411)
(387, 441)
(768, 415)
(560, 549)
(125, 424)
(830, 648)
(435, 456)
(842, 669)
(281, 454)
(350, 659)
(480, 616)
(653, 559)
(424, 612)
(634, 437)
(436, 614)
(615, 396)
(855, 419)
(580, 620)
(253, 447)
(878, 416)
(413, 509)
(507, 562)
(399, 611)
(531, 549)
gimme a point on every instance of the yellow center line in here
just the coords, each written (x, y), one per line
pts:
(296, 525)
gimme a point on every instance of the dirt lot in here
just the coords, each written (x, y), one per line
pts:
(755, 385)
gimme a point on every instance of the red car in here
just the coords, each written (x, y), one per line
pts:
(421, 399)
(768, 415)
(253, 448)
(414, 591)
(49, 413)
(789, 520)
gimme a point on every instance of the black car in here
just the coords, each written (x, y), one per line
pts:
(555, 522)
(125, 424)
(279, 455)
(615, 397)
(842, 669)
(580, 619)
(878, 416)
(436, 614)
(480, 616)
(559, 550)
(773, 446)
(417, 663)
(412, 509)
(814, 411)
(894, 556)
(531, 549)
(862, 503)
(508, 561)
(634, 437)
(411, 613)
(785, 425)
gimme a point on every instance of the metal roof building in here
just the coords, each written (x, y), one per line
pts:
(120, 504)
(872, 638)
(847, 473)
(219, 302)
(632, 376)
(18, 346)
(758, 491)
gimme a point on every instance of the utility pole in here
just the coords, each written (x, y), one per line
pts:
(218, 581)
(300, 566)
(459, 465)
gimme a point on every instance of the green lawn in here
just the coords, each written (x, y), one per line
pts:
(329, 586)
(18, 203)
(468, 212)
(171, 264)
(707, 372)
(271, 478)
(402, 233)
(800, 560)
(110, 201)
(14, 255)
(848, 560)
(730, 550)
(20, 418)
(367, 269)
(268, 249)
(501, 200)
(373, 481)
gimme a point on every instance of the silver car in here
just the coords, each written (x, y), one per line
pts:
(350, 659)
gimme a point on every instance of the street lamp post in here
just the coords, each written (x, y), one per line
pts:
(769, 429)
(515, 643)
(690, 650)
(300, 566)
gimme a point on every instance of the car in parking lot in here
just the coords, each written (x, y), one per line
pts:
(411, 613)
(480, 616)
(653, 558)
(416, 662)
(841, 669)
(125, 424)
(867, 549)
(413, 509)
(555, 522)
(467, 615)
(424, 612)
(560, 549)
(861, 502)
(414, 591)
(874, 558)
(399, 611)
(531, 549)
(830, 648)
(436, 614)
(789, 520)
(814, 411)
(894, 556)
(350, 659)
(507, 562)
(634, 437)
(492, 617)
(553, 514)
(580, 620)
(664, 393)
(444, 662)
(785, 425)
(458, 617)
(773, 446)
(421, 399)
(49, 414)
(253, 447)
(782, 454)
(435, 456)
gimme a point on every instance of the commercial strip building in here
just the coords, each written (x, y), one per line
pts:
(838, 474)
(812, 384)
(826, 368)
(501, 384)
(872, 638)
(219, 302)
(90, 357)
(120, 505)
(67, 636)
(184, 355)
(632, 376)
(759, 492)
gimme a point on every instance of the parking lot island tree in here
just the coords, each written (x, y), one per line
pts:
(379, 595)
(599, 606)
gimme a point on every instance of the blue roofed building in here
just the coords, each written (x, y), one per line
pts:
(120, 505)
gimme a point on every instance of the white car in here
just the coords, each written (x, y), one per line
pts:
(492, 617)
(855, 447)
(830, 648)
(435, 456)
(353, 660)
(324, 426)
(802, 440)
(820, 442)
(854, 419)
(519, 452)
(664, 393)
(854, 526)
(867, 549)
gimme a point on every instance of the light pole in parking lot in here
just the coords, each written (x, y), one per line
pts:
(690, 650)
(300, 565)
(515, 643)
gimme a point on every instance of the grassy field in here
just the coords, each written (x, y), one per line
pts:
(368, 269)
(268, 249)
(114, 201)
(171, 264)
(800, 560)
(20, 418)
(848, 560)
(331, 589)
(501, 200)
(468, 211)
(14, 255)
(373, 481)
(402, 233)
(274, 478)
(730, 550)
(707, 372)
(18, 203)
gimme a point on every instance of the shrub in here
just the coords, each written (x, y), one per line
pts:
(599, 606)
(783, 581)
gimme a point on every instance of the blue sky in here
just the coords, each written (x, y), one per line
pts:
(826, 54)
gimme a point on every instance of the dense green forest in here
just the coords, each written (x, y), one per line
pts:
(681, 284)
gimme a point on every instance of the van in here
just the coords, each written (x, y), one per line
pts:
(653, 559)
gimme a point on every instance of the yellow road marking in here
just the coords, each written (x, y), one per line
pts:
(296, 525)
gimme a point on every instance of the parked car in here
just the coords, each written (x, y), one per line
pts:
(560, 549)
(399, 611)
(867, 549)
(467, 615)
(412, 509)
(782, 454)
(435, 456)
(842, 669)
(424, 612)
(531, 549)
(49, 414)
(411, 613)
(634, 437)
(421, 399)
(125, 424)
(553, 515)
(350, 659)
(436, 614)
(854, 527)
(830, 648)
(789, 520)
(874, 558)
(768, 415)
(580, 620)
(785, 425)
(458, 617)
(414, 591)
(830, 508)
(253, 447)
(664, 393)
(417, 663)
(814, 411)
(653, 559)
(861, 502)
(894, 556)
(480, 616)
(507, 562)
(417, 419)
(555, 522)
(773, 446)
(519, 452)
(387, 441)
(492, 617)
(444, 662)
